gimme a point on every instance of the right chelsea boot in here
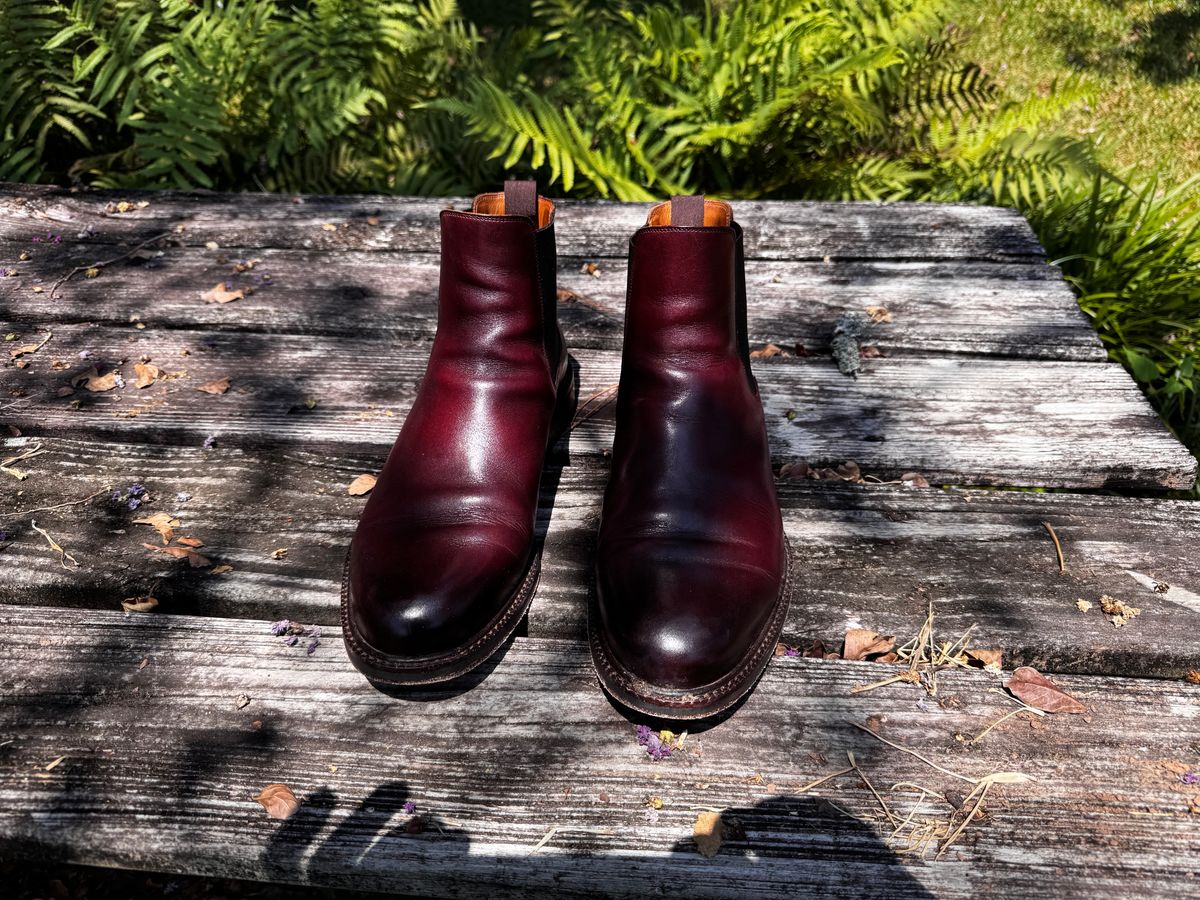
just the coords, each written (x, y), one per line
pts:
(691, 562)
(444, 561)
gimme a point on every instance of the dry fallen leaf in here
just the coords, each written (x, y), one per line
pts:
(93, 381)
(1192, 677)
(862, 643)
(139, 604)
(164, 524)
(1083, 605)
(195, 560)
(219, 386)
(146, 373)
(1033, 688)
(222, 569)
(279, 553)
(222, 292)
(190, 542)
(243, 701)
(361, 485)
(708, 832)
(879, 314)
(768, 351)
(279, 801)
(989, 659)
(1118, 611)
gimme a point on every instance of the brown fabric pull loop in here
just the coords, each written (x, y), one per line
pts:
(521, 199)
(687, 210)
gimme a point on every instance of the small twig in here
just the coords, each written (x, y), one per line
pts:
(1003, 718)
(870, 787)
(821, 781)
(63, 555)
(1062, 563)
(906, 675)
(545, 840)
(987, 786)
(600, 398)
(25, 512)
(107, 262)
(6, 465)
(913, 753)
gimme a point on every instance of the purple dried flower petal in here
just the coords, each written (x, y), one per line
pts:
(183, 497)
(84, 354)
(791, 651)
(280, 627)
(312, 646)
(117, 496)
(136, 489)
(134, 503)
(3, 536)
(643, 732)
(410, 807)
(1189, 778)
(291, 641)
(209, 442)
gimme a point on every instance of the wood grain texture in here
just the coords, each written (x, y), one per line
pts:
(961, 420)
(870, 557)
(159, 766)
(1016, 309)
(774, 229)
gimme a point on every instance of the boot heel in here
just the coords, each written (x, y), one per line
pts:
(565, 405)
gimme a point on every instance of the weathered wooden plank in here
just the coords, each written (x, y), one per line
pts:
(866, 556)
(774, 229)
(1007, 309)
(158, 764)
(960, 420)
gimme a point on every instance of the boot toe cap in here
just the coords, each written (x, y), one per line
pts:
(425, 596)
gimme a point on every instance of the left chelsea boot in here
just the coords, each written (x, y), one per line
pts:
(691, 563)
(444, 561)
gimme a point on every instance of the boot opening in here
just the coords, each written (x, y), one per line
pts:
(493, 205)
(688, 212)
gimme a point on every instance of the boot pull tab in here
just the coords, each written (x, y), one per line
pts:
(687, 211)
(521, 199)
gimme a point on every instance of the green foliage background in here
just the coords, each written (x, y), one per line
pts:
(840, 99)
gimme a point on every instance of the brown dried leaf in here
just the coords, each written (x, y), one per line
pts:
(195, 560)
(94, 381)
(163, 523)
(222, 292)
(361, 485)
(1192, 677)
(988, 659)
(768, 351)
(190, 542)
(279, 801)
(862, 643)
(914, 479)
(1034, 689)
(1083, 605)
(795, 471)
(1118, 611)
(146, 373)
(219, 386)
(222, 569)
(279, 553)
(879, 314)
(708, 832)
(849, 471)
(139, 604)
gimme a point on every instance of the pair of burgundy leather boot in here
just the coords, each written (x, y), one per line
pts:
(691, 565)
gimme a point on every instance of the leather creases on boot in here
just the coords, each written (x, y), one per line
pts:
(444, 560)
(692, 562)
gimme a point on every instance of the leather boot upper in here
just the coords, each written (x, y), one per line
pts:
(691, 557)
(446, 536)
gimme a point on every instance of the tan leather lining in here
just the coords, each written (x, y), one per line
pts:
(493, 205)
(717, 213)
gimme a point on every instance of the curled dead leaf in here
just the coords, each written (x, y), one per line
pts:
(164, 524)
(279, 801)
(879, 314)
(218, 386)
(222, 569)
(146, 373)
(862, 643)
(190, 542)
(195, 560)
(1033, 688)
(768, 351)
(93, 381)
(223, 292)
(708, 832)
(139, 604)
(987, 659)
(361, 485)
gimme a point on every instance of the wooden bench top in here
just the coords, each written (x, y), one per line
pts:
(988, 376)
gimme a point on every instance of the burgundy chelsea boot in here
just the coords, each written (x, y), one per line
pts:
(692, 562)
(444, 561)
